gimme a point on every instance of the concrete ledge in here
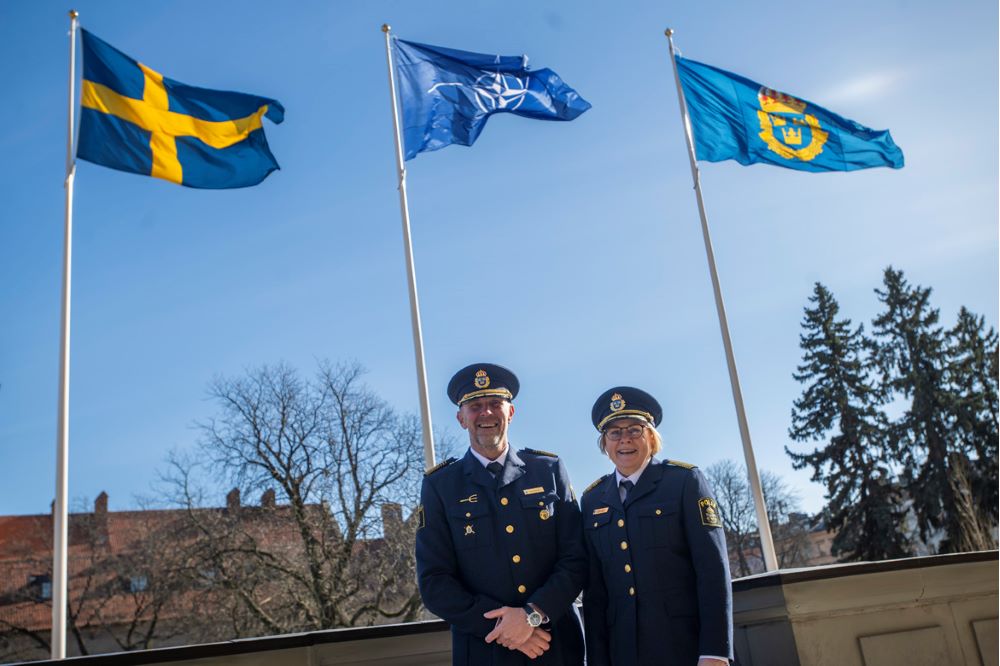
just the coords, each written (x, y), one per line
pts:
(930, 610)
(913, 612)
(416, 643)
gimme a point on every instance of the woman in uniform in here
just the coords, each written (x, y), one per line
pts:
(659, 590)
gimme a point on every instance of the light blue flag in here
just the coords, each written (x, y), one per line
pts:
(733, 118)
(134, 119)
(448, 95)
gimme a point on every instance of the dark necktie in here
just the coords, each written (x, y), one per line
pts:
(627, 486)
(495, 468)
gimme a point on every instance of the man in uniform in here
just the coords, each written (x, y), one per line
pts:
(658, 592)
(500, 554)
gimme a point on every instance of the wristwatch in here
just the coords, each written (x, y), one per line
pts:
(534, 617)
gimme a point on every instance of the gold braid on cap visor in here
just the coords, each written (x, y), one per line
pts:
(632, 413)
(502, 392)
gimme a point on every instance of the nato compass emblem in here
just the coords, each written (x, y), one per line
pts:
(787, 128)
(493, 92)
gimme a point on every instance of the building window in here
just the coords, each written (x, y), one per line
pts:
(137, 583)
(41, 586)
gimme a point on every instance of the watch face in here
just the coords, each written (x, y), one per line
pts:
(534, 618)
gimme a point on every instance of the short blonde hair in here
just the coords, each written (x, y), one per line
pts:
(654, 433)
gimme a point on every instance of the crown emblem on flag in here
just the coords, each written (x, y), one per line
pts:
(792, 136)
(772, 101)
(617, 402)
(782, 121)
(482, 380)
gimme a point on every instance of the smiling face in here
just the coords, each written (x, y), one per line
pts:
(628, 453)
(487, 419)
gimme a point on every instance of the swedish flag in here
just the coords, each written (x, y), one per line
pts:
(135, 119)
(734, 118)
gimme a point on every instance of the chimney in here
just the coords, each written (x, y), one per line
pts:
(267, 499)
(101, 518)
(101, 505)
(392, 519)
(233, 499)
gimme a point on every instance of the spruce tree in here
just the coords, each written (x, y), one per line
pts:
(912, 353)
(972, 363)
(864, 504)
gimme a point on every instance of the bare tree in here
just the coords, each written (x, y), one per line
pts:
(739, 519)
(313, 555)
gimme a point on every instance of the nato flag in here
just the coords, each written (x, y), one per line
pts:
(448, 95)
(734, 118)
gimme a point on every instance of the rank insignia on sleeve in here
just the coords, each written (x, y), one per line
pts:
(709, 512)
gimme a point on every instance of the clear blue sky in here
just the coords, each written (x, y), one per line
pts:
(569, 252)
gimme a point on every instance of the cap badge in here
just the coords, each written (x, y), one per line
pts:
(617, 402)
(482, 379)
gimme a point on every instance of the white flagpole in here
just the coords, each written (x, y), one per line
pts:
(764, 527)
(418, 340)
(60, 519)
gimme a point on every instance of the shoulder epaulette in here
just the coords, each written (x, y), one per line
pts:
(594, 484)
(440, 465)
(678, 463)
(540, 453)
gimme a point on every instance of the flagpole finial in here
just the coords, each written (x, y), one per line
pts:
(386, 27)
(73, 13)
(669, 32)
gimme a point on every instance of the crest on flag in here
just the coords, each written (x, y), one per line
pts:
(786, 128)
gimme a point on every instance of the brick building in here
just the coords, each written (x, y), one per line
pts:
(137, 579)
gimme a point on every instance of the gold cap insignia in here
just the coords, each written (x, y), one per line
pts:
(482, 379)
(617, 402)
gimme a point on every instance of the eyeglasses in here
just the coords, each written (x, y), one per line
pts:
(632, 432)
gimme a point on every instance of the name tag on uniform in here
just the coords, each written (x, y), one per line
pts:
(534, 491)
(598, 512)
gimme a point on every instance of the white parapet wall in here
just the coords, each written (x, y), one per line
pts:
(924, 611)
(932, 611)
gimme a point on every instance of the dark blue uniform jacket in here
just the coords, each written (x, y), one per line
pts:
(486, 544)
(658, 591)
